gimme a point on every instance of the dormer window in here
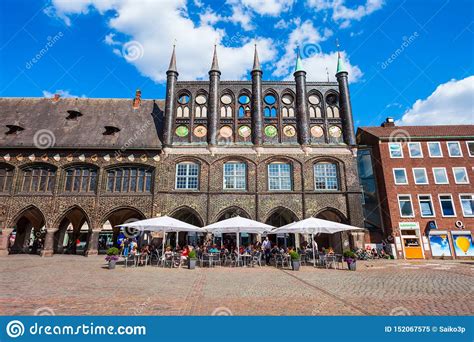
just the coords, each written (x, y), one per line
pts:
(14, 129)
(73, 114)
(111, 130)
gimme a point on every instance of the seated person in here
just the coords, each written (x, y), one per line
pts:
(330, 251)
(213, 249)
(144, 253)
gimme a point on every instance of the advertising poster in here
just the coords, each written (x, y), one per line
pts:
(440, 245)
(463, 245)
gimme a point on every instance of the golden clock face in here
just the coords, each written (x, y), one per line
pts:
(289, 131)
(200, 131)
(317, 131)
(335, 131)
(225, 131)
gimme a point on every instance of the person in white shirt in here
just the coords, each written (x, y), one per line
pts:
(267, 246)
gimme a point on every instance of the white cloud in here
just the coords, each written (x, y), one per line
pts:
(62, 93)
(156, 24)
(109, 39)
(265, 7)
(343, 14)
(450, 104)
(315, 67)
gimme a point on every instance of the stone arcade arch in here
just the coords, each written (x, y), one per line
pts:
(108, 226)
(29, 231)
(279, 217)
(331, 240)
(188, 215)
(74, 226)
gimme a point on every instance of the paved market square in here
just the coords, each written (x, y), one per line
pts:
(74, 285)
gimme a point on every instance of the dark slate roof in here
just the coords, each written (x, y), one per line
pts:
(139, 128)
(421, 132)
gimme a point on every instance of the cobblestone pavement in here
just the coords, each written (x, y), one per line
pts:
(74, 285)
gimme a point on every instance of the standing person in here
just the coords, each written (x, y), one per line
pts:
(267, 247)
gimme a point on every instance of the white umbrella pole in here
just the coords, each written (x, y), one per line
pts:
(163, 248)
(177, 238)
(314, 254)
(238, 248)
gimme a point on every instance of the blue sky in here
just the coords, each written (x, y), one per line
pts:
(411, 60)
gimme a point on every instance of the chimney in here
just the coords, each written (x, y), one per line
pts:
(137, 100)
(389, 122)
(56, 97)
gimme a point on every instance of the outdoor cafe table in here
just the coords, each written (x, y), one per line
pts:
(246, 257)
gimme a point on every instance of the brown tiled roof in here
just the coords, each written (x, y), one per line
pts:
(445, 131)
(139, 128)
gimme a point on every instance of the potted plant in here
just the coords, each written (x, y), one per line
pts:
(350, 258)
(192, 260)
(112, 257)
(295, 260)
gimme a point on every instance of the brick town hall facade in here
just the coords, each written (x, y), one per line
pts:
(274, 151)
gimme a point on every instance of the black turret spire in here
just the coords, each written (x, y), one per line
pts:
(256, 61)
(215, 64)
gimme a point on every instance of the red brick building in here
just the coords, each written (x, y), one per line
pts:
(424, 178)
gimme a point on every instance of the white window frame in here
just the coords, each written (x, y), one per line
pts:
(462, 208)
(325, 177)
(234, 176)
(409, 150)
(395, 178)
(426, 175)
(467, 146)
(445, 172)
(280, 177)
(440, 149)
(187, 177)
(441, 206)
(400, 207)
(390, 151)
(432, 205)
(449, 151)
(465, 171)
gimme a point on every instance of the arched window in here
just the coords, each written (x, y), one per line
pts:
(38, 178)
(226, 106)
(332, 100)
(314, 106)
(129, 179)
(81, 179)
(187, 176)
(235, 176)
(326, 176)
(182, 110)
(201, 106)
(279, 176)
(270, 109)
(6, 178)
(288, 106)
(244, 106)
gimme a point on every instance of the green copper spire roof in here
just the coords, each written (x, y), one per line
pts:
(299, 63)
(340, 63)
